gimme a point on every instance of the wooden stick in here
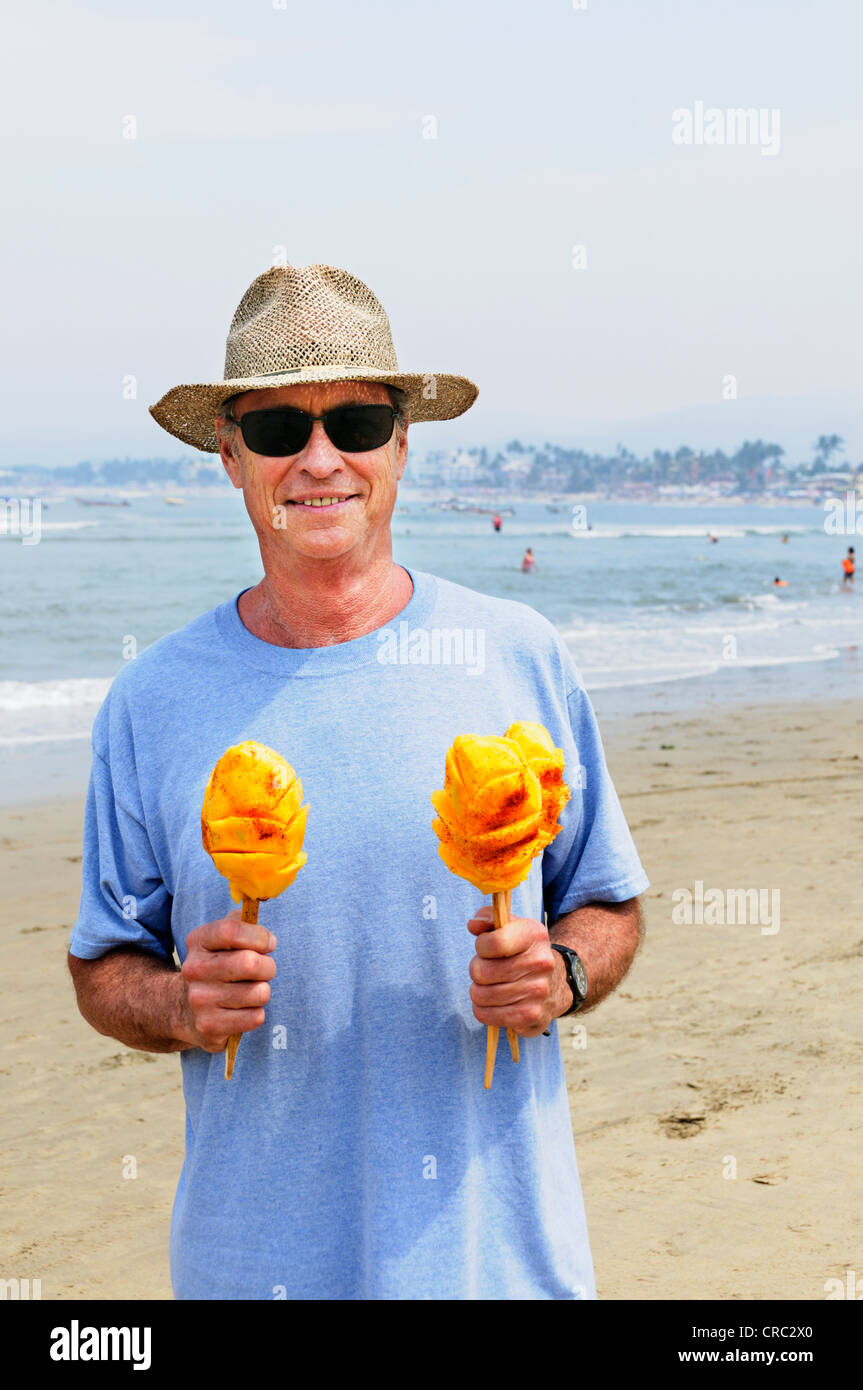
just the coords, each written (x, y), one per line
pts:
(511, 1034)
(248, 914)
(501, 902)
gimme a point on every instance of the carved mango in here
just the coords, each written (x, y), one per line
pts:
(253, 822)
(548, 763)
(489, 812)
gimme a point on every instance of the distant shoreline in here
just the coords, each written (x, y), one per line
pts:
(427, 496)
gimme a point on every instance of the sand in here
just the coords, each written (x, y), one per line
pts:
(716, 1101)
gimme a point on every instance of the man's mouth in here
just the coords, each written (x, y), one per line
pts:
(321, 501)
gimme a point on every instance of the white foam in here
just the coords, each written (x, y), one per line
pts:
(48, 526)
(22, 740)
(722, 530)
(652, 644)
(53, 711)
(659, 675)
(56, 694)
(772, 600)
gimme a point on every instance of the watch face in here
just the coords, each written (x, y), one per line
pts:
(579, 975)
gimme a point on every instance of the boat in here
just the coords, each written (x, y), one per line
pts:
(176, 501)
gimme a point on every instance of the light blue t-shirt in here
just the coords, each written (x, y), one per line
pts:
(355, 1153)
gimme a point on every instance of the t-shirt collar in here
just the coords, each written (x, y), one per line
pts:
(330, 660)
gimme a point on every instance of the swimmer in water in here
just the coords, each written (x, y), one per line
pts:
(497, 522)
(528, 563)
(780, 583)
(848, 568)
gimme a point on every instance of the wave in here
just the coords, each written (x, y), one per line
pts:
(49, 711)
(660, 675)
(53, 694)
(25, 740)
(723, 530)
(14, 535)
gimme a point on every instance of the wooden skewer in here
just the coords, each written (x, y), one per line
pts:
(248, 914)
(501, 902)
(511, 1034)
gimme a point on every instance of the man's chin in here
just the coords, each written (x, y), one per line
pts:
(322, 543)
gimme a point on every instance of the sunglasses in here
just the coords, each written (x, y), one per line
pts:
(353, 429)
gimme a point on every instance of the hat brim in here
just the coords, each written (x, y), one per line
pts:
(188, 411)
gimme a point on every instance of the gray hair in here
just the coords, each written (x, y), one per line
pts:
(398, 397)
(400, 405)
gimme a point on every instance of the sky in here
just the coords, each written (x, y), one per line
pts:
(600, 281)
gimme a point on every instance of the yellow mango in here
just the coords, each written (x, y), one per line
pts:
(548, 763)
(251, 779)
(253, 822)
(258, 876)
(488, 812)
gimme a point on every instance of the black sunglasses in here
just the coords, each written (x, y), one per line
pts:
(353, 429)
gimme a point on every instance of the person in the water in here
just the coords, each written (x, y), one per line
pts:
(848, 568)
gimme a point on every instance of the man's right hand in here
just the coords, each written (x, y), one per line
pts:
(226, 972)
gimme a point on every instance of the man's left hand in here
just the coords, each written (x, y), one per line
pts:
(518, 980)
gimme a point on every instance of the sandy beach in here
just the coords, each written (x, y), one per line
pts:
(716, 1098)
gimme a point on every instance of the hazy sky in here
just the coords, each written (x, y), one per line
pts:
(261, 125)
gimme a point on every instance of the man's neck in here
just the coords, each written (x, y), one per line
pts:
(321, 609)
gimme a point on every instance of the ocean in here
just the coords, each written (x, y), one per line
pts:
(657, 616)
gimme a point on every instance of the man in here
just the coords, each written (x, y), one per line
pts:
(848, 567)
(355, 1153)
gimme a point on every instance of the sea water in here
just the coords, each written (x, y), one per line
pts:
(656, 615)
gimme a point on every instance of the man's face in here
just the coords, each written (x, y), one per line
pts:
(276, 490)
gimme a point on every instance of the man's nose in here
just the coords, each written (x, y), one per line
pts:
(320, 455)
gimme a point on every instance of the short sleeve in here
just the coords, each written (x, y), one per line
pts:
(593, 858)
(123, 899)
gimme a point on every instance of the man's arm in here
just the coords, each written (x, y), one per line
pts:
(134, 997)
(606, 937)
(520, 982)
(147, 1004)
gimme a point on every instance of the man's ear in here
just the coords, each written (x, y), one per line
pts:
(226, 453)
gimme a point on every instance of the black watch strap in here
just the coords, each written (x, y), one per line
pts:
(576, 976)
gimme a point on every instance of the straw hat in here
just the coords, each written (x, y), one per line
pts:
(298, 324)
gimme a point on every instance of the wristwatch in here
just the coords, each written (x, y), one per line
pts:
(576, 976)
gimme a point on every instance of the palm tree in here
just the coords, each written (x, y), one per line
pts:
(825, 447)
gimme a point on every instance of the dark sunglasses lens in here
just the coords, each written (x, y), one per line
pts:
(275, 433)
(357, 428)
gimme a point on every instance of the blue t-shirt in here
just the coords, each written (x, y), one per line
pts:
(355, 1154)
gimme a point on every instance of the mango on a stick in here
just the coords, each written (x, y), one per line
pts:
(498, 811)
(253, 824)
